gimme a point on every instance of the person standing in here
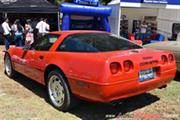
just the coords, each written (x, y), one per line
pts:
(18, 35)
(178, 37)
(35, 30)
(143, 31)
(28, 27)
(14, 29)
(6, 33)
(14, 26)
(1, 33)
(42, 27)
(47, 25)
(29, 38)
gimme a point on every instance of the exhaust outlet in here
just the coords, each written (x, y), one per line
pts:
(164, 86)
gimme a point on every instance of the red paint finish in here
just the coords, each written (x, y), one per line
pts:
(91, 75)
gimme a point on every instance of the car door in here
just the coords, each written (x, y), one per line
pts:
(39, 53)
(74, 50)
(22, 59)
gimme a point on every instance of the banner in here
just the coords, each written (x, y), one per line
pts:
(87, 2)
(156, 1)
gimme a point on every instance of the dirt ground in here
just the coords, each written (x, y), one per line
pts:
(23, 99)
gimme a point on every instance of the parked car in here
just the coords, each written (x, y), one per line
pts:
(174, 46)
(90, 65)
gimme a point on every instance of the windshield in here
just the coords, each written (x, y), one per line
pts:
(95, 42)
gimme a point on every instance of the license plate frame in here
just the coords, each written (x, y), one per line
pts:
(146, 74)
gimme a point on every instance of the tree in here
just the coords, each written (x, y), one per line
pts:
(105, 2)
(57, 2)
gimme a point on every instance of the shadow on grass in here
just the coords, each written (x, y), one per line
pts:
(32, 85)
(177, 78)
(94, 111)
(98, 111)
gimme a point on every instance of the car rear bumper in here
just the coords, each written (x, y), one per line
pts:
(107, 92)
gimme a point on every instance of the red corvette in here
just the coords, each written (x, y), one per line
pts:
(90, 65)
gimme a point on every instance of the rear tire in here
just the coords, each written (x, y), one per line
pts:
(59, 92)
(10, 72)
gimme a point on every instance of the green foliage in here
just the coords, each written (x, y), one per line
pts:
(57, 2)
(105, 1)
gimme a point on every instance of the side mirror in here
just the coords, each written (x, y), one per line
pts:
(27, 47)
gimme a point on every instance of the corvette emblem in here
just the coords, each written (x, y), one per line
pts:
(147, 58)
(149, 63)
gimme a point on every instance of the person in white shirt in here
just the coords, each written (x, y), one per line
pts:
(42, 27)
(47, 25)
(6, 33)
(143, 30)
(178, 37)
(14, 26)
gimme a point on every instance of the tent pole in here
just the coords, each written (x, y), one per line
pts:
(5, 15)
(58, 15)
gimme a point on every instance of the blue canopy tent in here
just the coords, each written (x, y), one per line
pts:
(83, 9)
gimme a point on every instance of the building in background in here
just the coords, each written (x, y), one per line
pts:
(160, 14)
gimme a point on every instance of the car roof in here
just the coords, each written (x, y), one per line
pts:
(76, 31)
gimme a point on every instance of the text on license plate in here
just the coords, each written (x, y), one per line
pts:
(146, 74)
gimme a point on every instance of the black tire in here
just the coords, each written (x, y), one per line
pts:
(56, 78)
(9, 71)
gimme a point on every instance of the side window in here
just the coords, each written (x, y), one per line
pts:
(45, 42)
(77, 43)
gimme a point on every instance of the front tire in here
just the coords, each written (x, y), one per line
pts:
(59, 93)
(8, 67)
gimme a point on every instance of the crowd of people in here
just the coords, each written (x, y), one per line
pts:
(23, 34)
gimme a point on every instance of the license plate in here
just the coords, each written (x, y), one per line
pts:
(146, 74)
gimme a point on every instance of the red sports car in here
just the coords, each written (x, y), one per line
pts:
(90, 65)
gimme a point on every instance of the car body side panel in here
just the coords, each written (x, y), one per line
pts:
(89, 76)
(79, 66)
(16, 57)
(26, 63)
(37, 69)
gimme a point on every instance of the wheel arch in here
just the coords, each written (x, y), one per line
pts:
(6, 53)
(50, 68)
(71, 97)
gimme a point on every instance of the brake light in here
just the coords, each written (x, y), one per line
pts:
(164, 59)
(171, 58)
(115, 67)
(128, 65)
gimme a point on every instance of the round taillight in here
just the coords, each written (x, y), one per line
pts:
(115, 67)
(164, 59)
(171, 58)
(128, 65)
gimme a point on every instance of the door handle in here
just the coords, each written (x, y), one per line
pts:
(41, 57)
